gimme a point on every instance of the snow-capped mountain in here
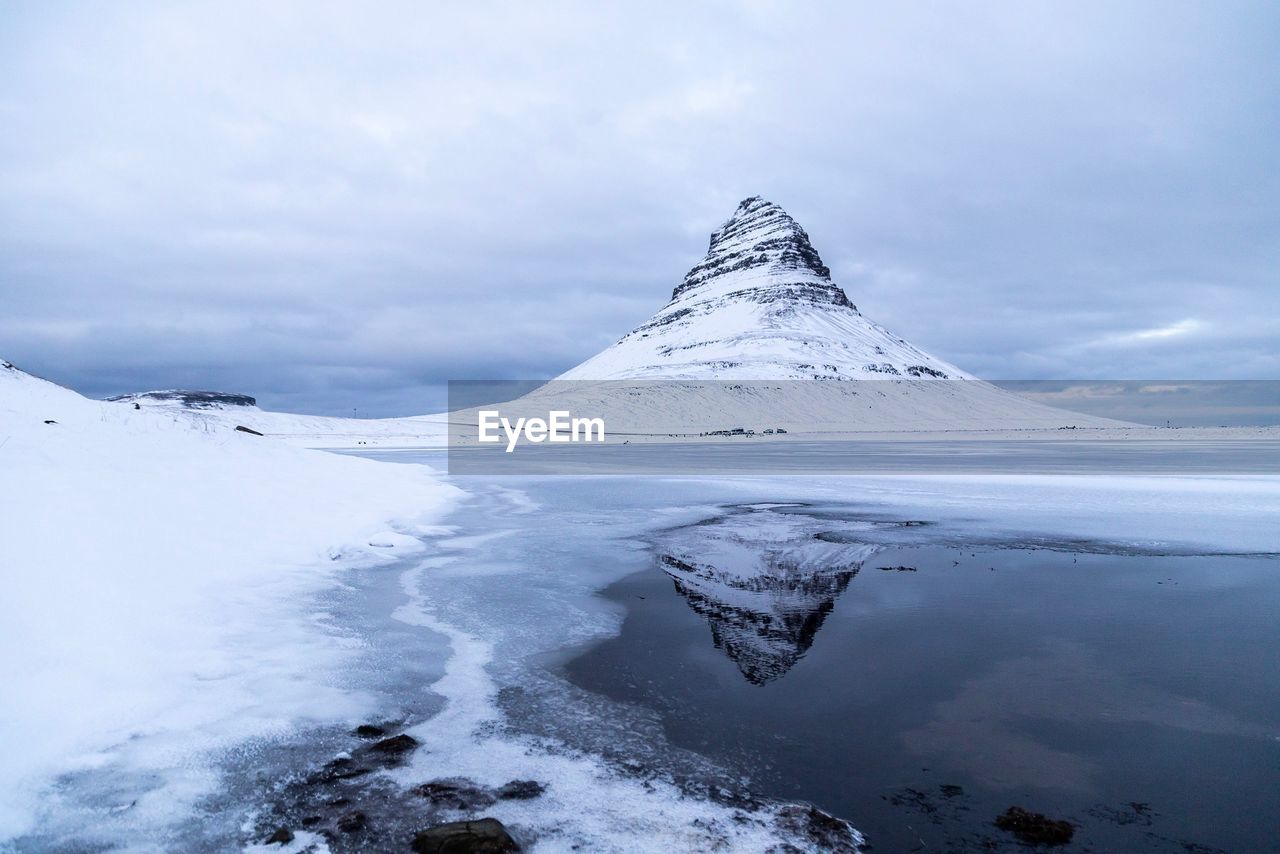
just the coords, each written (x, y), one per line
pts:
(760, 306)
(758, 337)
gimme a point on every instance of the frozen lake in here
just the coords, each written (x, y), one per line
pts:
(679, 659)
(912, 654)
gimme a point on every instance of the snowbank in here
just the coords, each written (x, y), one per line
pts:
(305, 431)
(159, 571)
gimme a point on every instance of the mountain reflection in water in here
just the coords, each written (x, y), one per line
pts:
(765, 582)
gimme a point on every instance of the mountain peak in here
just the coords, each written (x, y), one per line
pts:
(761, 238)
(757, 222)
(760, 305)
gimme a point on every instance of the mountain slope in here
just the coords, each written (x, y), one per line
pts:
(761, 305)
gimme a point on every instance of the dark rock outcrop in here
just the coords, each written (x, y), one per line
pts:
(456, 794)
(1035, 828)
(483, 836)
(521, 790)
(397, 745)
(342, 768)
(365, 760)
(353, 822)
(188, 398)
(824, 830)
(282, 836)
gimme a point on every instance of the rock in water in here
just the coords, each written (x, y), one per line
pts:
(282, 836)
(353, 822)
(521, 790)
(824, 830)
(483, 836)
(1034, 828)
(457, 794)
(396, 745)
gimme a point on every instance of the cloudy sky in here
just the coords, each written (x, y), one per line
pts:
(345, 205)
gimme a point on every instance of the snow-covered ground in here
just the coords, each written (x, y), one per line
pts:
(309, 431)
(676, 411)
(163, 575)
(158, 575)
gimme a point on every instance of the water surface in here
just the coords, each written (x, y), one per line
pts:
(919, 680)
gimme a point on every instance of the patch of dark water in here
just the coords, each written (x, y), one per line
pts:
(1129, 693)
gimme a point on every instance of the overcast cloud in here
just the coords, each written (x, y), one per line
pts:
(345, 205)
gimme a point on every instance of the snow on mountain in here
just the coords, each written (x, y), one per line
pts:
(160, 572)
(757, 336)
(760, 306)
